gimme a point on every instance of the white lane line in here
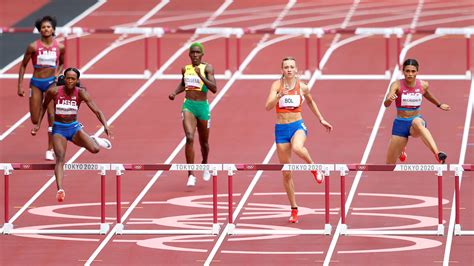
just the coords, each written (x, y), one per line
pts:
(14, 126)
(152, 12)
(462, 156)
(414, 21)
(346, 21)
(282, 14)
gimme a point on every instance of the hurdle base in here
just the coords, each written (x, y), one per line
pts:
(104, 228)
(457, 229)
(227, 74)
(440, 230)
(216, 228)
(168, 232)
(119, 229)
(231, 229)
(327, 229)
(54, 232)
(459, 232)
(343, 229)
(7, 228)
(147, 73)
(393, 232)
(278, 232)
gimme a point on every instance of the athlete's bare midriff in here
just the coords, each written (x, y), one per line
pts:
(407, 114)
(286, 118)
(196, 95)
(44, 72)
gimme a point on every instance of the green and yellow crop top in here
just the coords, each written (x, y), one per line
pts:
(192, 82)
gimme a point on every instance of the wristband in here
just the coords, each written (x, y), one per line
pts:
(439, 105)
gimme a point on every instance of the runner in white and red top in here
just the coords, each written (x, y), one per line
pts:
(408, 94)
(287, 95)
(47, 56)
(66, 100)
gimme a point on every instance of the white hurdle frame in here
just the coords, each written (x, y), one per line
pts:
(119, 171)
(438, 168)
(232, 168)
(458, 169)
(8, 227)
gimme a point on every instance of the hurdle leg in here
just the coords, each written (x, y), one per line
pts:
(457, 225)
(119, 225)
(7, 226)
(215, 225)
(440, 230)
(104, 227)
(343, 203)
(230, 202)
(327, 225)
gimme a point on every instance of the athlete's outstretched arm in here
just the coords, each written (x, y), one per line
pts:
(84, 95)
(314, 108)
(430, 97)
(180, 88)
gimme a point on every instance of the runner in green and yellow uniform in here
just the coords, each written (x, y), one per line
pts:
(198, 79)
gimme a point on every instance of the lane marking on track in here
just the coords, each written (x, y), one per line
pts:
(462, 157)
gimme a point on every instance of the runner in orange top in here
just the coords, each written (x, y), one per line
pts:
(287, 95)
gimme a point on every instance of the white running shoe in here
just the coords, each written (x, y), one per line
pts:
(191, 181)
(103, 142)
(206, 175)
(49, 156)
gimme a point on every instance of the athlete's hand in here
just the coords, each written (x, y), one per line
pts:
(198, 71)
(326, 125)
(172, 96)
(445, 107)
(21, 92)
(392, 97)
(108, 132)
(35, 129)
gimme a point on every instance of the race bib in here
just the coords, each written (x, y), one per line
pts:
(47, 58)
(192, 81)
(411, 99)
(63, 109)
(290, 101)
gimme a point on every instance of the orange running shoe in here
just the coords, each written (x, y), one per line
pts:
(294, 216)
(60, 195)
(318, 176)
(441, 157)
(403, 156)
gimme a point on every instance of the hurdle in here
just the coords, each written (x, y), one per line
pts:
(458, 169)
(438, 168)
(121, 168)
(232, 168)
(8, 168)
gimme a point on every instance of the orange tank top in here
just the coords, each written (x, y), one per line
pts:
(292, 102)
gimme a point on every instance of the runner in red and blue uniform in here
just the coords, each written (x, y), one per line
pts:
(47, 56)
(287, 95)
(408, 94)
(66, 101)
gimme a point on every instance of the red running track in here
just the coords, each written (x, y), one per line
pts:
(246, 136)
